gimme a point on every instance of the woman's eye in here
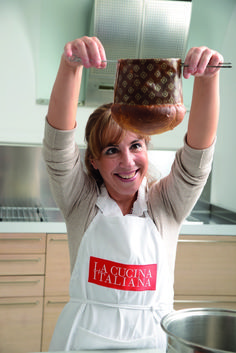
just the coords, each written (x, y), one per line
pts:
(111, 150)
(137, 146)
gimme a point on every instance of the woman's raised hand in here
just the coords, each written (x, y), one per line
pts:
(89, 49)
(197, 61)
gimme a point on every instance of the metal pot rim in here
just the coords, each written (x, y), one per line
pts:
(177, 314)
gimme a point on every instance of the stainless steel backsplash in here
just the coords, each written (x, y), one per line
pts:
(24, 180)
(23, 177)
(25, 193)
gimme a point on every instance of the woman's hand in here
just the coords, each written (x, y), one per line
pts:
(89, 49)
(197, 61)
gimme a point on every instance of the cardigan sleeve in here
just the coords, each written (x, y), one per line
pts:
(172, 198)
(69, 183)
(73, 191)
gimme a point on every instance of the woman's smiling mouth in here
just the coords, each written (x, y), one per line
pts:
(127, 176)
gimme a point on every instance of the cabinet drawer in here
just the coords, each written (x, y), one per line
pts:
(57, 265)
(21, 324)
(22, 264)
(22, 243)
(205, 302)
(206, 266)
(52, 309)
(21, 286)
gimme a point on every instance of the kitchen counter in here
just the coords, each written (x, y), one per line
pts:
(205, 219)
(115, 351)
(33, 227)
(214, 221)
(189, 228)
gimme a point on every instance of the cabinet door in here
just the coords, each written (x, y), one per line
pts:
(21, 243)
(52, 309)
(206, 265)
(21, 286)
(57, 265)
(22, 264)
(20, 324)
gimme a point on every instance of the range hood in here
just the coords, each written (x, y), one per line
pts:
(135, 29)
(127, 29)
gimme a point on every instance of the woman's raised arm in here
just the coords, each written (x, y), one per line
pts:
(65, 93)
(204, 112)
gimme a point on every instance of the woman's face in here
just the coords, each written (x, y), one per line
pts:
(123, 166)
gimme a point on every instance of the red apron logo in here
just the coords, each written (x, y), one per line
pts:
(120, 276)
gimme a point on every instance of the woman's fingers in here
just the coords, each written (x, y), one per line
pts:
(90, 51)
(199, 59)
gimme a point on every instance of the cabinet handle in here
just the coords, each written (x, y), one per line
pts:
(20, 239)
(50, 302)
(20, 282)
(203, 301)
(20, 260)
(23, 303)
(55, 239)
(206, 241)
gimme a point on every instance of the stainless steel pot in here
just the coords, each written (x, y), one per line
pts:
(201, 331)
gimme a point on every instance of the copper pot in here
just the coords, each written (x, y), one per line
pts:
(148, 95)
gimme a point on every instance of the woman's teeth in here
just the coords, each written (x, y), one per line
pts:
(127, 176)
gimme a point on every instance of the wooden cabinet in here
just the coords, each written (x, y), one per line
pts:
(20, 323)
(21, 286)
(35, 275)
(205, 273)
(20, 243)
(52, 309)
(22, 266)
(34, 287)
(57, 278)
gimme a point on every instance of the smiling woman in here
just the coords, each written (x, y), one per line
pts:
(102, 131)
(117, 220)
(123, 167)
(115, 157)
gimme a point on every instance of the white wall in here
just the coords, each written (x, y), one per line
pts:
(22, 120)
(223, 191)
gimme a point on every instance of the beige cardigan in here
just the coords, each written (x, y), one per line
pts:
(170, 200)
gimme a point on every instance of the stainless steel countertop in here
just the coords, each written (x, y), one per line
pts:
(60, 227)
(205, 219)
(115, 351)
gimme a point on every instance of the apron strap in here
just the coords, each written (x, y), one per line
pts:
(153, 308)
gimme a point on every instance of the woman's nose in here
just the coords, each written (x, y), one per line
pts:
(127, 159)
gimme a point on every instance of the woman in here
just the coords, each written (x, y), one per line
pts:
(122, 231)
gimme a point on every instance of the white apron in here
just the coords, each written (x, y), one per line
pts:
(120, 287)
